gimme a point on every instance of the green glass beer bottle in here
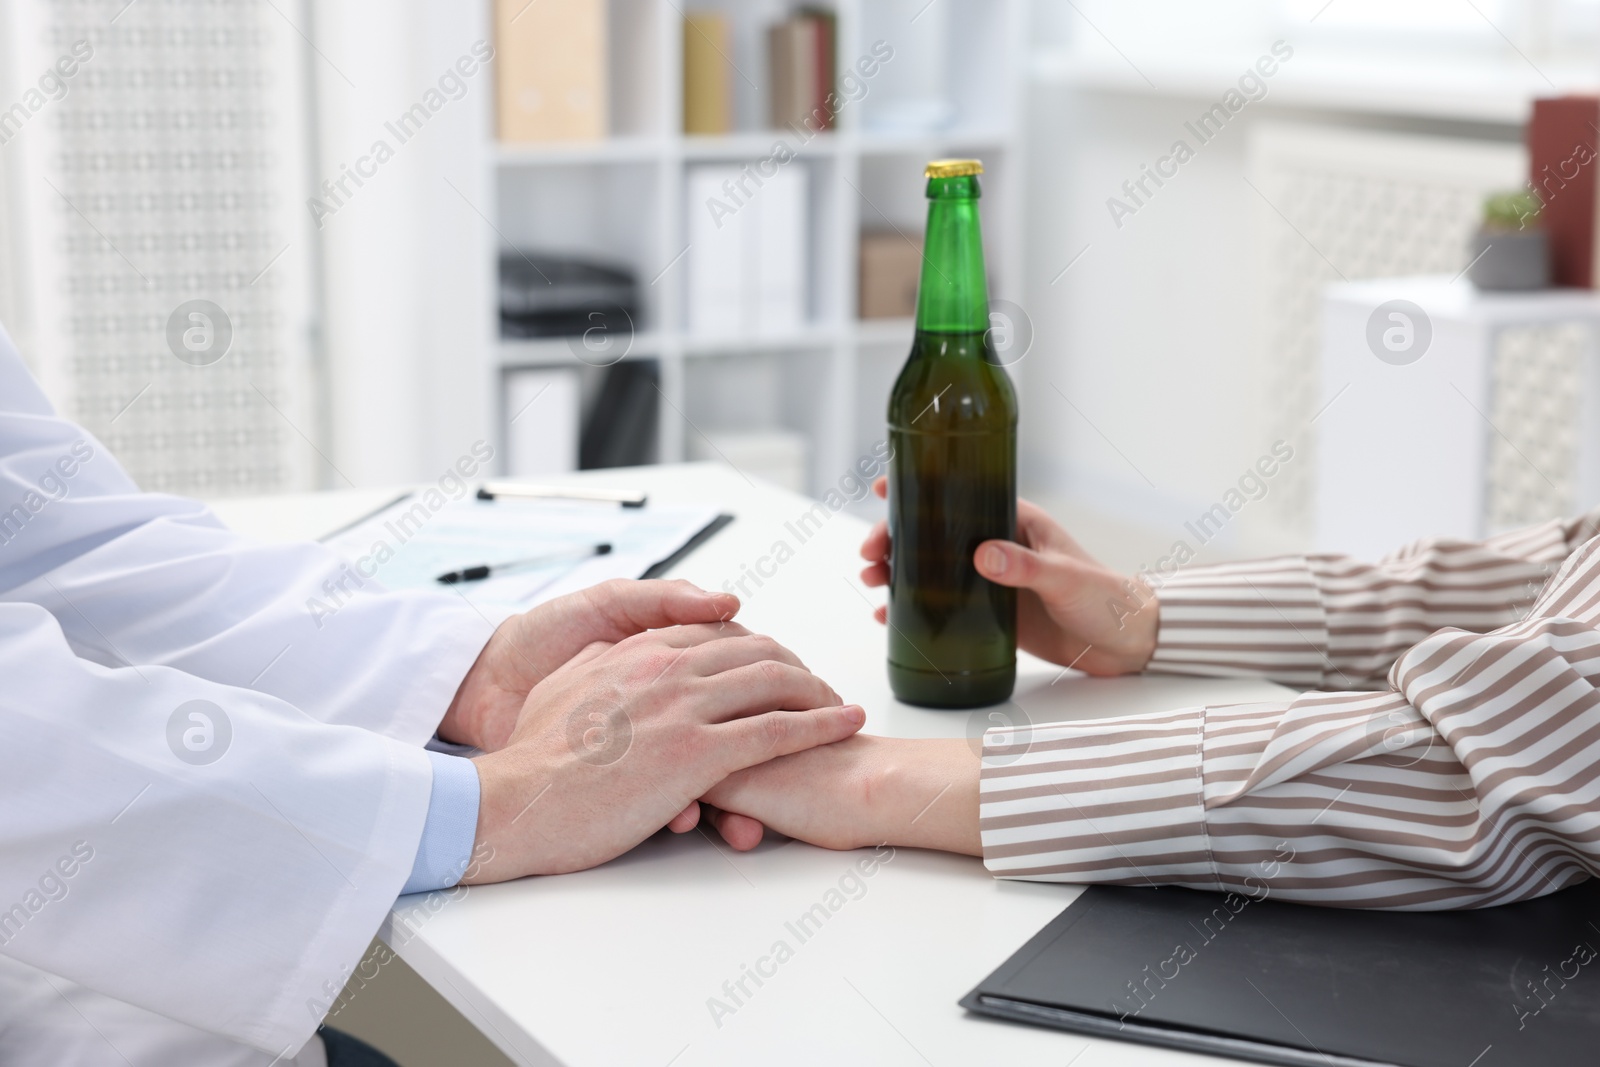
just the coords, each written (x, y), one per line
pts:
(953, 477)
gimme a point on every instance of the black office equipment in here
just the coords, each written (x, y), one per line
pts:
(543, 295)
(621, 429)
(1282, 983)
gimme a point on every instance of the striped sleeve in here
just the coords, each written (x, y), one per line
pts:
(1339, 623)
(1471, 779)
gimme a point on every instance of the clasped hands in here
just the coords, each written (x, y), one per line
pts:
(607, 714)
(610, 713)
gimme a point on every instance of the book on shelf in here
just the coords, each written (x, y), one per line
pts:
(800, 70)
(1562, 156)
(707, 73)
(551, 70)
(541, 413)
(778, 260)
(717, 238)
(748, 250)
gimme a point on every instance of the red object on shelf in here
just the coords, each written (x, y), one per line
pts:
(823, 60)
(1563, 136)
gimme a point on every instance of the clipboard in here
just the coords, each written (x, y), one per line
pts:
(660, 568)
(409, 541)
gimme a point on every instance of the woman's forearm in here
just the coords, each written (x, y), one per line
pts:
(865, 791)
(924, 794)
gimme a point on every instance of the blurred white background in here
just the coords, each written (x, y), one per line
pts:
(204, 152)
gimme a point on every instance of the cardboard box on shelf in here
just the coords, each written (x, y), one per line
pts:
(891, 265)
(551, 68)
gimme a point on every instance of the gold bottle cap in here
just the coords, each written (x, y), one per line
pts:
(952, 168)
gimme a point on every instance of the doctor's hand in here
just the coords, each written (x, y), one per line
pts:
(530, 647)
(624, 738)
(1070, 609)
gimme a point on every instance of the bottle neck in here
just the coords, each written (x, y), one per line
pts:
(953, 296)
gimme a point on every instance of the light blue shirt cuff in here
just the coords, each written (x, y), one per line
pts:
(445, 851)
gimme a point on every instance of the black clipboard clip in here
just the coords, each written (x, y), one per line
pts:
(628, 498)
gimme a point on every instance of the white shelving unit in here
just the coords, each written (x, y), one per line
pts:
(622, 199)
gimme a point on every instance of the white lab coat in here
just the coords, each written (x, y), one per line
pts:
(45, 1019)
(228, 895)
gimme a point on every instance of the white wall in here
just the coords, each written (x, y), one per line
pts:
(408, 260)
(1148, 332)
(1155, 334)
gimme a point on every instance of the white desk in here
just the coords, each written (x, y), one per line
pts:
(615, 965)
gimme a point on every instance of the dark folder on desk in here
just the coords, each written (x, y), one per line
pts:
(1274, 982)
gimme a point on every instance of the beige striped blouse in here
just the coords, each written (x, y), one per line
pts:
(1450, 757)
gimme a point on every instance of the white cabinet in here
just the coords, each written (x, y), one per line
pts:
(1448, 411)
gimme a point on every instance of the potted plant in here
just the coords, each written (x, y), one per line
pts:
(1509, 250)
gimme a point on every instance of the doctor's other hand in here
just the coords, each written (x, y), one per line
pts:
(1071, 610)
(860, 792)
(624, 738)
(529, 647)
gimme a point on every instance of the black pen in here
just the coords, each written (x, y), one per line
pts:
(483, 570)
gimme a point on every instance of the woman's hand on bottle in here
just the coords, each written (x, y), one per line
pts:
(1070, 609)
